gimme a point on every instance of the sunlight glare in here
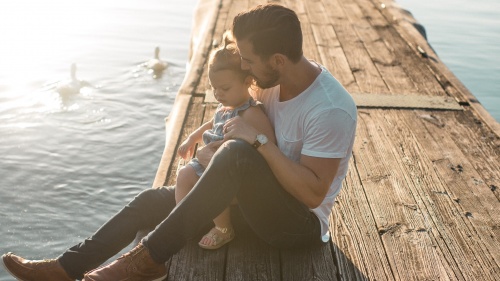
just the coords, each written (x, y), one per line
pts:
(41, 36)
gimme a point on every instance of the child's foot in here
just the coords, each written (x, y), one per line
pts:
(216, 238)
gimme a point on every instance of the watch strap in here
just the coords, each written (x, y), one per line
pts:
(256, 144)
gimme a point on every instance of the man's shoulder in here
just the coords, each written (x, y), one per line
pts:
(331, 95)
(265, 95)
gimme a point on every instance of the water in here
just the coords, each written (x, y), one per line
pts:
(67, 164)
(466, 36)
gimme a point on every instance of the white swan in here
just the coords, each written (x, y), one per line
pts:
(156, 64)
(72, 86)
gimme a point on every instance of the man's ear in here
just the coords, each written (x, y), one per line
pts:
(278, 60)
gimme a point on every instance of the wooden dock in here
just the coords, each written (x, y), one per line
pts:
(421, 200)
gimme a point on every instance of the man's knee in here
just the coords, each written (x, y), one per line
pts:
(237, 150)
(149, 196)
(236, 144)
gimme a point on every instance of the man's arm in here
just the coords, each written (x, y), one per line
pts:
(308, 180)
(255, 117)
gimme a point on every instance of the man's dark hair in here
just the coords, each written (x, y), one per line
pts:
(270, 29)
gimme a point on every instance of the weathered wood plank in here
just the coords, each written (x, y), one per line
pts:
(315, 263)
(442, 211)
(388, 65)
(370, 82)
(486, 194)
(330, 50)
(464, 184)
(401, 220)
(248, 257)
(405, 53)
(309, 44)
(193, 120)
(366, 74)
(421, 196)
(358, 248)
(450, 82)
(443, 169)
(235, 8)
(424, 257)
(194, 263)
(479, 145)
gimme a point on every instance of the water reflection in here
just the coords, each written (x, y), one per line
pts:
(90, 150)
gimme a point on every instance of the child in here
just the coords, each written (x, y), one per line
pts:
(230, 86)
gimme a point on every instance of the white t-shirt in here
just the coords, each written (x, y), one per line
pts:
(320, 122)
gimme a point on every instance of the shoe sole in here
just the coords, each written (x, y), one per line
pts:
(5, 266)
(158, 279)
(161, 278)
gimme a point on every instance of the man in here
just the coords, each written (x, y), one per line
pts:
(284, 191)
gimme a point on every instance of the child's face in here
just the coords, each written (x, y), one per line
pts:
(228, 88)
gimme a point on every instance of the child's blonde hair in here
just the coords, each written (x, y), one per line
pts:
(227, 57)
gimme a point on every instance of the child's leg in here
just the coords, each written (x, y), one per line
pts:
(186, 179)
(224, 219)
(223, 231)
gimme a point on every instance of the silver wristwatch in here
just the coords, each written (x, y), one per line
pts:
(261, 139)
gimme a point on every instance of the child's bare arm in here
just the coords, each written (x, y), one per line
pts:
(186, 149)
(256, 117)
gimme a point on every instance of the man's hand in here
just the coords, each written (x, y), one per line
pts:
(236, 127)
(205, 154)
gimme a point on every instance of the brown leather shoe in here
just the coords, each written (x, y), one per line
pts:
(136, 265)
(31, 270)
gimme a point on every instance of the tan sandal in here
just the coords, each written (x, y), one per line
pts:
(219, 237)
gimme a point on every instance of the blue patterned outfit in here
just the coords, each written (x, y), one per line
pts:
(222, 114)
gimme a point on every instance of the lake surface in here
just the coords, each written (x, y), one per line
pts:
(69, 162)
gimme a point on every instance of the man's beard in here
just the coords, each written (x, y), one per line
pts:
(272, 76)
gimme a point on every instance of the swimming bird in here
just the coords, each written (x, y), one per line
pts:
(72, 86)
(156, 64)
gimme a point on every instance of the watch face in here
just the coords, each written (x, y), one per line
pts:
(262, 138)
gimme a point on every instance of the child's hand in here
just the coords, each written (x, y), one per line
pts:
(186, 149)
(205, 154)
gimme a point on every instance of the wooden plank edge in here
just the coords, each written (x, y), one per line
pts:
(403, 23)
(405, 101)
(174, 122)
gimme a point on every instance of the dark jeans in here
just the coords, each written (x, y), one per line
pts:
(236, 170)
